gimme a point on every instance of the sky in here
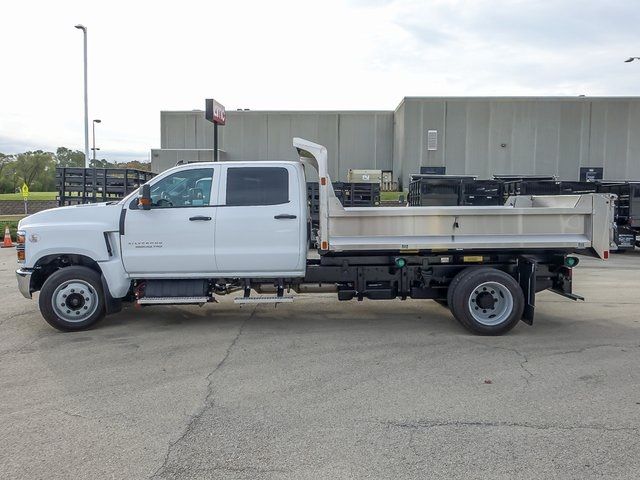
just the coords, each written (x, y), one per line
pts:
(148, 56)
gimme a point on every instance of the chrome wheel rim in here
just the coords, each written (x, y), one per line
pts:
(490, 303)
(74, 301)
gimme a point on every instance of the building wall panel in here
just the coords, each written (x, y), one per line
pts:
(384, 141)
(432, 117)
(399, 150)
(477, 148)
(547, 115)
(633, 148)
(455, 141)
(353, 153)
(501, 124)
(571, 133)
(616, 139)
(522, 141)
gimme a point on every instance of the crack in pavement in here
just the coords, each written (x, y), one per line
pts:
(523, 357)
(249, 469)
(591, 347)
(21, 348)
(207, 399)
(97, 418)
(71, 414)
(487, 424)
(21, 314)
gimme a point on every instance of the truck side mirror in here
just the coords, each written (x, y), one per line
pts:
(144, 198)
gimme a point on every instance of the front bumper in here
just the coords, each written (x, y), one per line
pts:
(24, 281)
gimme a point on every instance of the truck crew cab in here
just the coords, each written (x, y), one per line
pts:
(202, 230)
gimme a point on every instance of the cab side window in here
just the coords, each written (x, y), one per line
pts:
(257, 186)
(187, 188)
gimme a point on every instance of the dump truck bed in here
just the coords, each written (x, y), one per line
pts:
(575, 222)
(569, 222)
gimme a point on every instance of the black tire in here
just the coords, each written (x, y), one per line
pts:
(455, 282)
(501, 296)
(55, 287)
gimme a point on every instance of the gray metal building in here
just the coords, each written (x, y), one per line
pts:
(468, 135)
(353, 139)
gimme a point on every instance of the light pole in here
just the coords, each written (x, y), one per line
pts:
(86, 99)
(95, 120)
(631, 59)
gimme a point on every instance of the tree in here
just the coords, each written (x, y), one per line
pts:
(38, 168)
(4, 161)
(69, 158)
(32, 166)
(7, 173)
(97, 163)
(138, 165)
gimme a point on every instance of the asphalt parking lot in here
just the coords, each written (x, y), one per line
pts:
(322, 389)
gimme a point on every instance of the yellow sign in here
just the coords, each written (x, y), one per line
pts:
(25, 190)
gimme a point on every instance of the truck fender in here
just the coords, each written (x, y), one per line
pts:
(117, 280)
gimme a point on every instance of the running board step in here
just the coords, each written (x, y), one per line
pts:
(262, 299)
(171, 300)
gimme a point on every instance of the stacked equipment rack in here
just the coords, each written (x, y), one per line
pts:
(77, 185)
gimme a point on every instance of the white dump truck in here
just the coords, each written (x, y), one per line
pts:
(202, 230)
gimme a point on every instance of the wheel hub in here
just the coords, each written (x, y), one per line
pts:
(491, 303)
(74, 301)
(486, 300)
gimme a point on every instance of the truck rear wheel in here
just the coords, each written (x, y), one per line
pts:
(456, 281)
(487, 301)
(72, 299)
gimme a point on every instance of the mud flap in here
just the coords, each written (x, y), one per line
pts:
(527, 280)
(111, 305)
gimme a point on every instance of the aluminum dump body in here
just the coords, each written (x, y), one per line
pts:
(570, 222)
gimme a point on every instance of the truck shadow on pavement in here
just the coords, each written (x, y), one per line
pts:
(313, 315)
(310, 314)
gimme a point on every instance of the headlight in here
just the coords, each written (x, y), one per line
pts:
(20, 245)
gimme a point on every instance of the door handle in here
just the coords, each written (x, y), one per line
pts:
(200, 217)
(284, 216)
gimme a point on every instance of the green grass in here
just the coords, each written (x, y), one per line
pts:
(11, 218)
(390, 196)
(32, 196)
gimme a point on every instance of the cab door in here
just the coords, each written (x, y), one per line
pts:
(176, 236)
(260, 227)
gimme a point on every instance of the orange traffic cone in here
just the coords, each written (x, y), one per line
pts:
(7, 243)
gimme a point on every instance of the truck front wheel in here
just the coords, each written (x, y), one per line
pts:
(488, 301)
(72, 299)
